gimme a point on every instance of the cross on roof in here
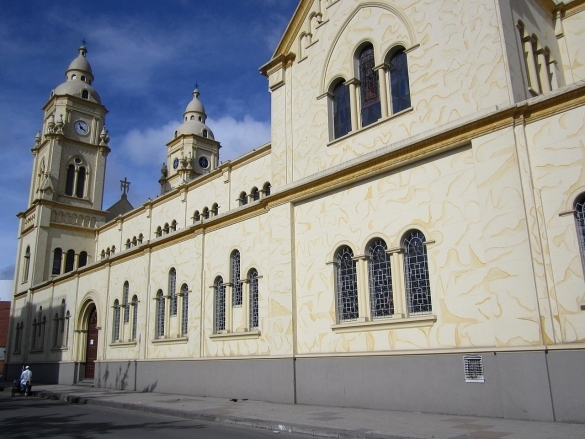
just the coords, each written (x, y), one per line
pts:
(124, 186)
(83, 42)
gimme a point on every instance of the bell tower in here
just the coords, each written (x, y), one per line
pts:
(57, 230)
(193, 151)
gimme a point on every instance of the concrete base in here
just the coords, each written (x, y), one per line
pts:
(517, 384)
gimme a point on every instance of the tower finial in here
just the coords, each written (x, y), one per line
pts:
(124, 187)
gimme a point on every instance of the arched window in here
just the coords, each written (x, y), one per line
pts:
(243, 199)
(69, 261)
(196, 216)
(215, 209)
(166, 228)
(204, 133)
(380, 279)
(346, 285)
(580, 222)
(371, 109)
(173, 290)
(67, 318)
(237, 295)
(116, 323)
(416, 274)
(266, 189)
(140, 238)
(219, 292)
(82, 259)
(158, 232)
(399, 84)
(253, 282)
(128, 243)
(160, 315)
(26, 264)
(56, 330)
(85, 94)
(174, 226)
(205, 213)
(80, 188)
(113, 249)
(185, 311)
(70, 182)
(57, 257)
(341, 110)
(255, 194)
(125, 293)
(103, 255)
(134, 241)
(134, 316)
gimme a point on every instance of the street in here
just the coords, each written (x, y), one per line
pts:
(25, 418)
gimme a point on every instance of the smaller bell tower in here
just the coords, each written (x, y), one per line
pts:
(193, 151)
(57, 230)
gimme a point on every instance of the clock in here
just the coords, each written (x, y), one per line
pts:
(175, 163)
(81, 128)
(203, 162)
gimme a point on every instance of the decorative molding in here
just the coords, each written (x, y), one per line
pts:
(229, 336)
(383, 324)
(166, 341)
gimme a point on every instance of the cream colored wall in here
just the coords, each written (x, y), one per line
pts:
(138, 223)
(575, 52)
(199, 197)
(172, 209)
(457, 70)
(253, 174)
(557, 156)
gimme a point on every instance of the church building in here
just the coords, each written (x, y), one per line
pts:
(412, 237)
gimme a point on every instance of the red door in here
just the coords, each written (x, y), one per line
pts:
(92, 342)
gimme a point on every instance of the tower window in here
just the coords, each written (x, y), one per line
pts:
(70, 261)
(219, 323)
(85, 94)
(73, 76)
(76, 176)
(399, 84)
(82, 259)
(160, 315)
(83, 78)
(192, 118)
(57, 257)
(369, 89)
(204, 133)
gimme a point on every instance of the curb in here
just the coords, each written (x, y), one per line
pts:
(231, 420)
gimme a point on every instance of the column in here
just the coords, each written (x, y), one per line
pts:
(246, 304)
(179, 325)
(543, 71)
(353, 102)
(362, 285)
(382, 70)
(229, 309)
(530, 64)
(398, 293)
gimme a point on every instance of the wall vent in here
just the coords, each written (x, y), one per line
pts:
(473, 369)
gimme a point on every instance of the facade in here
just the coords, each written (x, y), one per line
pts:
(4, 319)
(412, 238)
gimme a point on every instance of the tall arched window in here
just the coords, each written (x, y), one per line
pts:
(399, 84)
(173, 290)
(57, 258)
(341, 110)
(266, 189)
(70, 182)
(70, 261)
(80, 188)
(380, 279)
(219, 303)
(185, 311)
(174, 226)
(134, 316)
(580, 221)
(26, 264)
(116, 322)
(82, 259)
(253, 282)
(416, 274)
(346, 285)
(160, 315)
(125, 293)
(371, 109)
(255, 193)
(215, 209)
(243, 200)
(56, 330)
(205, 213)
(196, 216)
(237, 295)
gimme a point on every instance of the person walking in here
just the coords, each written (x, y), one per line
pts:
(25, 377)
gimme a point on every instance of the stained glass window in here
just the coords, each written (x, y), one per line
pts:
(380, 280)
(369, 88)
(237, 295)
(126, 291)
(399, 85)
(219, 305)
(346, 285)
(173, 290)
(57, 256)
(253, 282)
(116, 325)
(185, 316)
(416, 273)
(341, 110)
(580, 219)
(134, 316)
(160, 314)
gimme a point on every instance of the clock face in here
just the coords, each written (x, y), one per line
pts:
(203, 162)
(81, 128)
(175, 163)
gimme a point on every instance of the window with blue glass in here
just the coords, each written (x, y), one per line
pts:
(399, 86)
(341, 110)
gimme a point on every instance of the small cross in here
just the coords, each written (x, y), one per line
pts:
(196, 86)
(83, 42)
(125, 186)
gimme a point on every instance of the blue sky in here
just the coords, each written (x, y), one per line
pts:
(146, 57)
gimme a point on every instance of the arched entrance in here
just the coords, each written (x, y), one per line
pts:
(91, 343)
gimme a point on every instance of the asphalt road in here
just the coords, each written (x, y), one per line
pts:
(25, 418)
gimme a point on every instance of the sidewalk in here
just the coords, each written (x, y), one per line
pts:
(320, 421)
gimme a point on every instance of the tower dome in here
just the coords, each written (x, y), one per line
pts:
(194, 119)
(79, 77)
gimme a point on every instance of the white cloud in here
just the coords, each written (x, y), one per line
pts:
(147, 146)
(238, 137)
(6, 290)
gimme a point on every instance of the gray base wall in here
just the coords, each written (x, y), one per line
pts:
(518, 385)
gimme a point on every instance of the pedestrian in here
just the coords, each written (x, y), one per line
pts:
(25, 377)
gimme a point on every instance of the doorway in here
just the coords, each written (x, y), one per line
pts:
(92, 342)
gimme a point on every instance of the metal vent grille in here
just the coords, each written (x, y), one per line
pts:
(473, 369)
